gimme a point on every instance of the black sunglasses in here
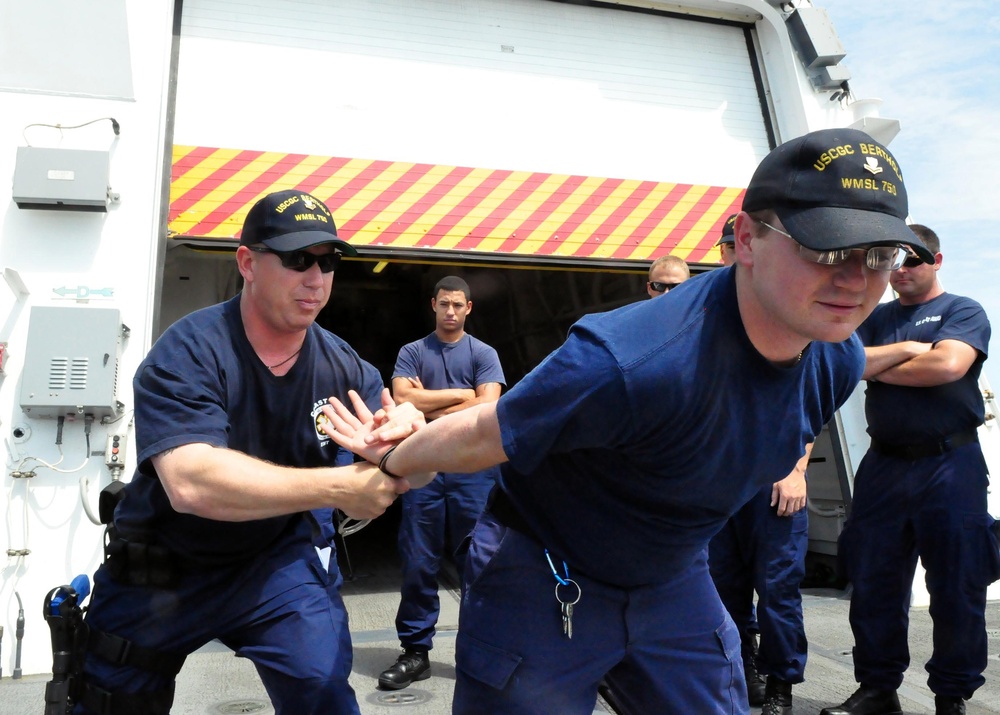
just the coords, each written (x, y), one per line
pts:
(912, 262)
(302, 261)
(662, 287)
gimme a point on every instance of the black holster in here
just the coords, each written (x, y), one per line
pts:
(138, 563)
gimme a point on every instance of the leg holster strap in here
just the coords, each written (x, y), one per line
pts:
(123, 652)
(101, 702)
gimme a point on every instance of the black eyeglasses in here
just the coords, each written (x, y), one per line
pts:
(302, 261)
(913, 262)
(662, 287)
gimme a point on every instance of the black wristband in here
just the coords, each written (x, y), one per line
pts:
(385, 458)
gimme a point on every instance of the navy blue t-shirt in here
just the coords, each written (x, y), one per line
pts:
(908, 415)
(466, 363)
(202, 382)
(633, 443)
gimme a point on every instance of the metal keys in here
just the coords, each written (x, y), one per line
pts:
(566, 604)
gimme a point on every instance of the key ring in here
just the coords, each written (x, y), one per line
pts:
(579, 592)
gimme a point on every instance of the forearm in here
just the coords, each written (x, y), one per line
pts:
(467, 441)
(452, 409)
(430, 401)
(936, 367)
(803, 464)
(489, 392)
(880, 358)
(226, 485)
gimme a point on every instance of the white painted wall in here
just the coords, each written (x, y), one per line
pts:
(50, 250)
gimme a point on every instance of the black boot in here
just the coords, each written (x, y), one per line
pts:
(755, 681)
(867, 701)
(777, 697)
(945, 705)
(410, 666)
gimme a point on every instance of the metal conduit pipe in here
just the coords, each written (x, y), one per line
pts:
(19, 636)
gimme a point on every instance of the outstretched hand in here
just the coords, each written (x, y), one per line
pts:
(370, 435)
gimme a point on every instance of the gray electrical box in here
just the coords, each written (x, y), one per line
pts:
(62, 179)
(813, 35)
(71, 362)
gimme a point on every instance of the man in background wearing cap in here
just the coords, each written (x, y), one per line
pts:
(727, 242)
(666, 272)
(213, 539)
(921, 490)
(444, 372)
(763, 548)
(591, 557)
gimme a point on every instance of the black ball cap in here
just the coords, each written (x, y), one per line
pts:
(728, 231)
(291, 221)
(834, 189)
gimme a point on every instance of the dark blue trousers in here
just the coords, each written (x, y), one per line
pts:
(434, 518)
(283, 612)
(934, 508)
(757, 550)
(666, 648)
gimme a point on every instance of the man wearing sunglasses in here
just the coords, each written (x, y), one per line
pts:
(214, 537)
(921, 490)
(591, 557)
(665, 273)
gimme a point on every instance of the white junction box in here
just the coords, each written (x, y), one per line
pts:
(71, 362)
(62, 179)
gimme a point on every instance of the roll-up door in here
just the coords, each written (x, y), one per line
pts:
(525, 127)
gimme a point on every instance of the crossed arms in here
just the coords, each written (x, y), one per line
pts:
(437, 403)
(914, 364)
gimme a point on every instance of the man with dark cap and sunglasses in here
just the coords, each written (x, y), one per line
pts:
(921, 490)
(727, 242)
(214, 537)
(591, 557)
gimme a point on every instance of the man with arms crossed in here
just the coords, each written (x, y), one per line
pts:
(445, 372)
(921, 491)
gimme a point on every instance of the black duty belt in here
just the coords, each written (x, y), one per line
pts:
(507, 514)
(922, 450)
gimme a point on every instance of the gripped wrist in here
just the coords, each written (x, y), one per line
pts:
(383, 466)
